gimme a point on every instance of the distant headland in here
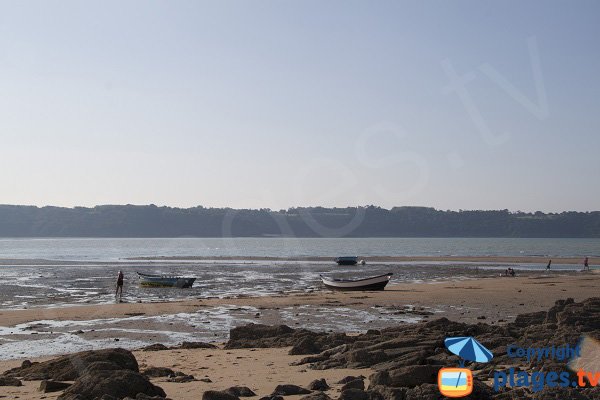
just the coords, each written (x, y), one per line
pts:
(368, 221)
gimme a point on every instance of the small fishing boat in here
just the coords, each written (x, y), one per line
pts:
(373, 283)
(165, 280)
(348, 260)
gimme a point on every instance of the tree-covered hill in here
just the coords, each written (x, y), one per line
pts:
(370, 221)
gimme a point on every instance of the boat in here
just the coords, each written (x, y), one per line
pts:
(165, 280)
(373, 283)
(348, 260)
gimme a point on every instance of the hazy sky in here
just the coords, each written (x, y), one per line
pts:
(450, 104)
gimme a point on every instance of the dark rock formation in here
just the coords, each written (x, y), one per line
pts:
(155, 347)
(157, 372)
(218, 395)
(319, 384)
(9, 381)
(71, 367)
(355, 384)
(354, 394)
(117, 383)
(53, 386)
(316, 396)
(240, 391)
(302, 341)
(407, 358)
(195, 345)
(289, 390)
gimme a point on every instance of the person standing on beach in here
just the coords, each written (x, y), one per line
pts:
(586, 265)
(548, 266)
(119, 291)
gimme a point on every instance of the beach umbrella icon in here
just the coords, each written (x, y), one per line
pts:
(468, 349)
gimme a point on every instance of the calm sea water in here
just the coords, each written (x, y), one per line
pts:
(118, 249)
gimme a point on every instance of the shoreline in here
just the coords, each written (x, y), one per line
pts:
(388, 259)
(542, 260)
(427, 294)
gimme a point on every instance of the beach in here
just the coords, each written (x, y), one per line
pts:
(492, 299)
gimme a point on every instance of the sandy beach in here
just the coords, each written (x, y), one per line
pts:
(493, 300)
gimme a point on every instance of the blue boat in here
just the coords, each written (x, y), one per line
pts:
(165, 280)
(348, 260)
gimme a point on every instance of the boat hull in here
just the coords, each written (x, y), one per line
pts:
(148, 280)
(374, 283)
(346, 260)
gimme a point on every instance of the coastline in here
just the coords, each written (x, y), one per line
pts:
(390, 259)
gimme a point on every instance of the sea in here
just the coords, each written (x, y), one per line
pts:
(51, 273)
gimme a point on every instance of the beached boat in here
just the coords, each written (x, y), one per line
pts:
(165, 280)
(373, 283)
(348, 260)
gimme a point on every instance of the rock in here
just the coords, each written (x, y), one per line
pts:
(207, 380)
(271, 398)
(425, 392)
(387, 393)
(53, 386)
(9, 381)
(411, 376)
(240, 391)
(381, 378)
(355, 384)
(155, 347)
(218, 395)
(305, 346)
(182, 378)
(157, 372)
(318, 384)
(101, 366)
(354, 394)
(195, 345)
(142, 396)
(316, 396)
(119, 384)
(289, 390)
(70, 367)
(347, 379)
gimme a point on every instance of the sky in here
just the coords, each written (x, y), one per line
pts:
(277, 104)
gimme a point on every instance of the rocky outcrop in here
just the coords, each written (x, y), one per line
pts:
(319, 384)
(117, 383)
(53, 386)
(289, 390)
(71, 367)
(9, 381)
(407, 358)
(302, 341)
(240, 391)
(218, 395)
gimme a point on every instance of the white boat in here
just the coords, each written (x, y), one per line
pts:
(373, 283)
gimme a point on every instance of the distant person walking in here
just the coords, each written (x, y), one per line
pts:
(586, 264)
(119, 291)
(548, 266)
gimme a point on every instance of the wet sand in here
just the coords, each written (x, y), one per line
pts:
(464, 300)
